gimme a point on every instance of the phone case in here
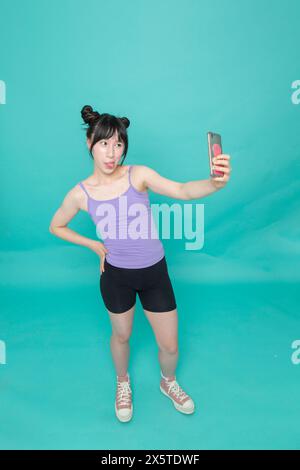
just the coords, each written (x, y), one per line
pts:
(214, 149)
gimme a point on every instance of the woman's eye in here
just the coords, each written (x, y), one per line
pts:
(120, 145)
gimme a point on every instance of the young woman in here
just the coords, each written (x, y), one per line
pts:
(132, 259)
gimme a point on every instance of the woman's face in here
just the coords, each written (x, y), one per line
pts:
(107, 153)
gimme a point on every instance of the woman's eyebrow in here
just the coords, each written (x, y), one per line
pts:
(118, 141)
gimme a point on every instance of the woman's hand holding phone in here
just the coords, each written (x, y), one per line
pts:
(219, 163)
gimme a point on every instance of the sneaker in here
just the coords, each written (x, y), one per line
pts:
(123, 401)
(180, 399)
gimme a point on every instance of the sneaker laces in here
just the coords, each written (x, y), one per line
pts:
(174, 387)
(123, 393)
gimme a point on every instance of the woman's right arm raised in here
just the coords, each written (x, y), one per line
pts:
(71, 204)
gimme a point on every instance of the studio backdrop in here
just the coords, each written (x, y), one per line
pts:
(177, 70)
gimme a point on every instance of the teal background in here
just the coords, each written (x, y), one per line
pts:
(176, 70)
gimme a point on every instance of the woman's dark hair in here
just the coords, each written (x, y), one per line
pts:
(103, 126)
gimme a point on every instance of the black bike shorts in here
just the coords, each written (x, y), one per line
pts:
(118, 287)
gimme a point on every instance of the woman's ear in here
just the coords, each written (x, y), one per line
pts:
(88, 143)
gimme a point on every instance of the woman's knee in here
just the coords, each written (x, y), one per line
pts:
(121, 337)
(170, 348)
(122, 325)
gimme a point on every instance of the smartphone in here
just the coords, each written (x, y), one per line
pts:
(214, 149)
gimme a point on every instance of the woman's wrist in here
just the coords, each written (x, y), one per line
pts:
(92, 244)
(216, 184)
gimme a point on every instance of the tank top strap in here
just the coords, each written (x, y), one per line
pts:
(82, 186)
(129, 174)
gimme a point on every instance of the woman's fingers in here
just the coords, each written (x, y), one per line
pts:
(221, 168)
(221, 158)
(101, 266)
(221, 161)
(102, 259)
(223, 155)
(221, 178)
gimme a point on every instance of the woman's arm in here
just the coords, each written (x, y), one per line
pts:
(190, 190)
(64, 214)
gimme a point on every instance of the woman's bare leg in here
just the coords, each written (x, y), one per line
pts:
(119, 343)
(165, 328)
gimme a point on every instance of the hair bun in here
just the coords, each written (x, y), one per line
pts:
(125, 121)
(88, 115)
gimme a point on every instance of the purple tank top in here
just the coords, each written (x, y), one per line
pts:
(127, 228)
